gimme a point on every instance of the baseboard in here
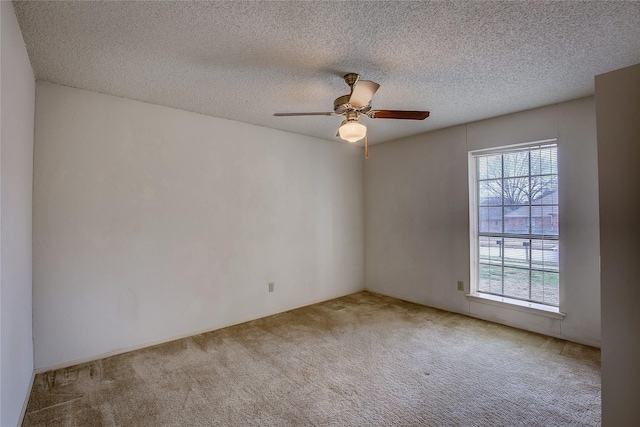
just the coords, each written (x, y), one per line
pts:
(384, 294)
(26, 399)
(562, 337)
(93, 358)
(549, 334)
(583, 341)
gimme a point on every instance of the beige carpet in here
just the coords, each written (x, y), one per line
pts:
(361, 360)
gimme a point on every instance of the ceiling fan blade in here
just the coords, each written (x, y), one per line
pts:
(398, 114)
(362, 93)
(305, 114)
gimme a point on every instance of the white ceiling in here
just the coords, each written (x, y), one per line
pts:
(244, 61)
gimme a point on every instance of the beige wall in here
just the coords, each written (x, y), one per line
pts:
(152, 223)
(17, 87)
(618, 110)
(417, 216)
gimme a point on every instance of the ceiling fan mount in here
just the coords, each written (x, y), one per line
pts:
(356, 104)
(342, 105)
(351, 78)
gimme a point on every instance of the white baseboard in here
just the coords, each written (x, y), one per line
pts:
(95, 357)
(577, 340)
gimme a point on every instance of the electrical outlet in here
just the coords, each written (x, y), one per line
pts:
(271, 286)
(460, 285)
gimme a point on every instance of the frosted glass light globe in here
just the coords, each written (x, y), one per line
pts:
(352, 131)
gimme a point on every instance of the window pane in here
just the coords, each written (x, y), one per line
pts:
(544, 287)
(516, 164)
(490, 220)
(490, 250)
(544, 220)
(538, 254)
(489, 167)
(516, 283)
(490, 279)
(516, 219)
(544, 190)
(550, 288)
(516, 191)
(517, 252)
(490, 192)
(544, 161)
(544, 254)
(549, 255)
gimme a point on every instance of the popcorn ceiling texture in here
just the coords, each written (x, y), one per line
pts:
(244, 61)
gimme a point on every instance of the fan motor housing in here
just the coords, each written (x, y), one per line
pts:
(341, 106)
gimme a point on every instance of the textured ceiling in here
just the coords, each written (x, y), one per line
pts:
(244, 61)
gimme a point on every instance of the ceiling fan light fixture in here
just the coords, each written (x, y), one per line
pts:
(352, 130)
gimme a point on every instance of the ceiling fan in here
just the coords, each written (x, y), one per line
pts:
(356, 104)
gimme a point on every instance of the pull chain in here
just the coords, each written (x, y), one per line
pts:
(366, 146)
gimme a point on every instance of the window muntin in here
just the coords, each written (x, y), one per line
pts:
(516, 208)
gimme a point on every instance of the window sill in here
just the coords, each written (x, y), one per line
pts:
(514, 304)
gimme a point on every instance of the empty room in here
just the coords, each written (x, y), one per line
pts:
(284, 213)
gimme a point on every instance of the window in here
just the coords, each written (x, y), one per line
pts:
(515, 239)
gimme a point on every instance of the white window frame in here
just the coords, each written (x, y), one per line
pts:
(474, 294)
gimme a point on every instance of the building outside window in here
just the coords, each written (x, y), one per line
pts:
(515, 235)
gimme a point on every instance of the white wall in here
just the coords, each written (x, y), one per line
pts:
(152, 223)
(417, 216)
(17, 87)
(618, 111)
